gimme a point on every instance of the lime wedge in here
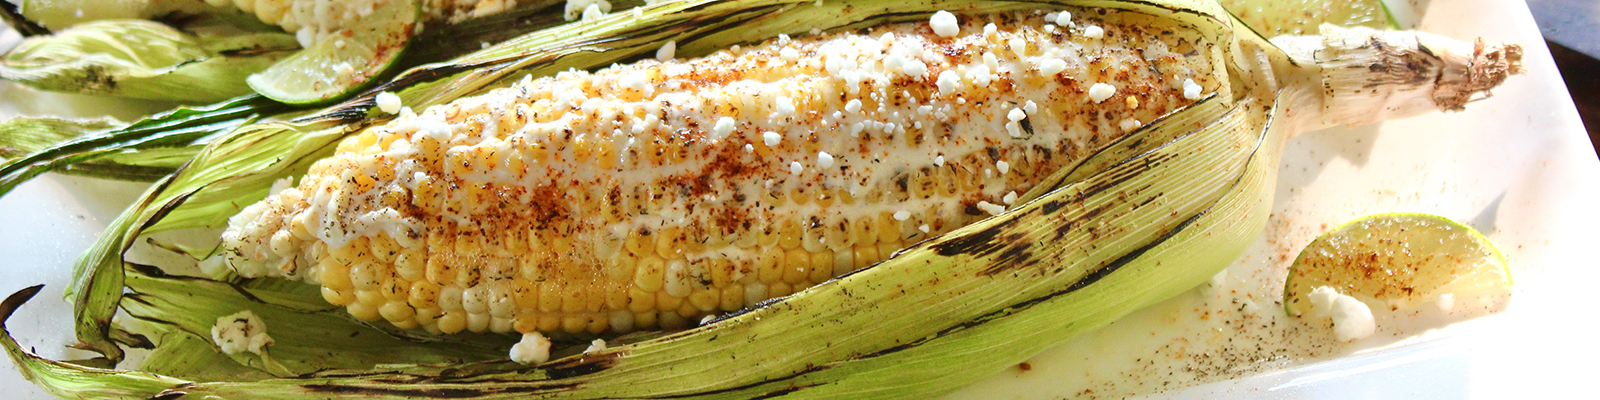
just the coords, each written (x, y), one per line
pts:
(340, 64)
(1398, 260)
(1301, 17)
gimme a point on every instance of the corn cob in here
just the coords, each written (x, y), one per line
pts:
(655, 194)
(312, 20)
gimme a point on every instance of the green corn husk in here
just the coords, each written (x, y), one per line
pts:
(145, 60)
(1150, 216)
(145, 150)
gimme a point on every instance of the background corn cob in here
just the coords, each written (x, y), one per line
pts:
(655, 194)
(311, 20)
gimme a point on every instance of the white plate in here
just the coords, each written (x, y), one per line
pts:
(1518, 166)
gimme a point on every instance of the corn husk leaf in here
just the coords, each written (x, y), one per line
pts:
(11, 13)
(144, 59)
(22, 135)
(145, 150)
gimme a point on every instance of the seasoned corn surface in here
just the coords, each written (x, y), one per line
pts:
(654, 194)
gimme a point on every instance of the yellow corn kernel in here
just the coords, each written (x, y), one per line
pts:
(789, 235)
(550, 296)
(706, 300)
(423, 294)
(770, 265)
(821, 266)
(453, 322)
(338, 297)
(640, 300)
(796, 265)
(731, 297)
(666, 301)
(650, 273)
(333, 274)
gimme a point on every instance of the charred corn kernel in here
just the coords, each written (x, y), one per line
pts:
(575, 202)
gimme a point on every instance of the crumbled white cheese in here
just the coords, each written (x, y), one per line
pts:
(749, 148)
(784, 106)
(1014, 128)
(853, 106)
(577, 8)
(1019, 45)
(924, 228)
(1030, 107)
(596, 346)
(1352, 319)
(1218, 280)
(980, 75)
(824, 160)
(667, 51)
(636, 80)
(1003, 166)
(771, 139)
(241, 332)
(789, 54)
(1063, 19)
(723, 128)
(1011, 197)
(388, 102)
(593, 12)
(534, 348)
(991, 208)
(1016, 114)
(1249, 307)
(1128, 125)
(796, 168)
(1191, 90)
(944, 24)
(1100, 92)
(949, 82)
(438, 130)
(1447, 302)
(915, 68)
(1094, 32)
(902, 215)
(989, 29)
(1052, 66)
(938, 161)
(991, 61)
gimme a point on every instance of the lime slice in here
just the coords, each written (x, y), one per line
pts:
(338, 65)
(1301, 17)
(1398, 260)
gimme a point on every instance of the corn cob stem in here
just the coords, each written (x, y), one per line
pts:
(1366, 75)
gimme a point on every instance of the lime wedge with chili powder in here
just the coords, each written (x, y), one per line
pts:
(1399, 260)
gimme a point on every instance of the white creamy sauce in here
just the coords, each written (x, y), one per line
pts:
(1232, 326)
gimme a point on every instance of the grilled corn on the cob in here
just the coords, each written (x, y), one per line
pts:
(311, 20)
(654, 194)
